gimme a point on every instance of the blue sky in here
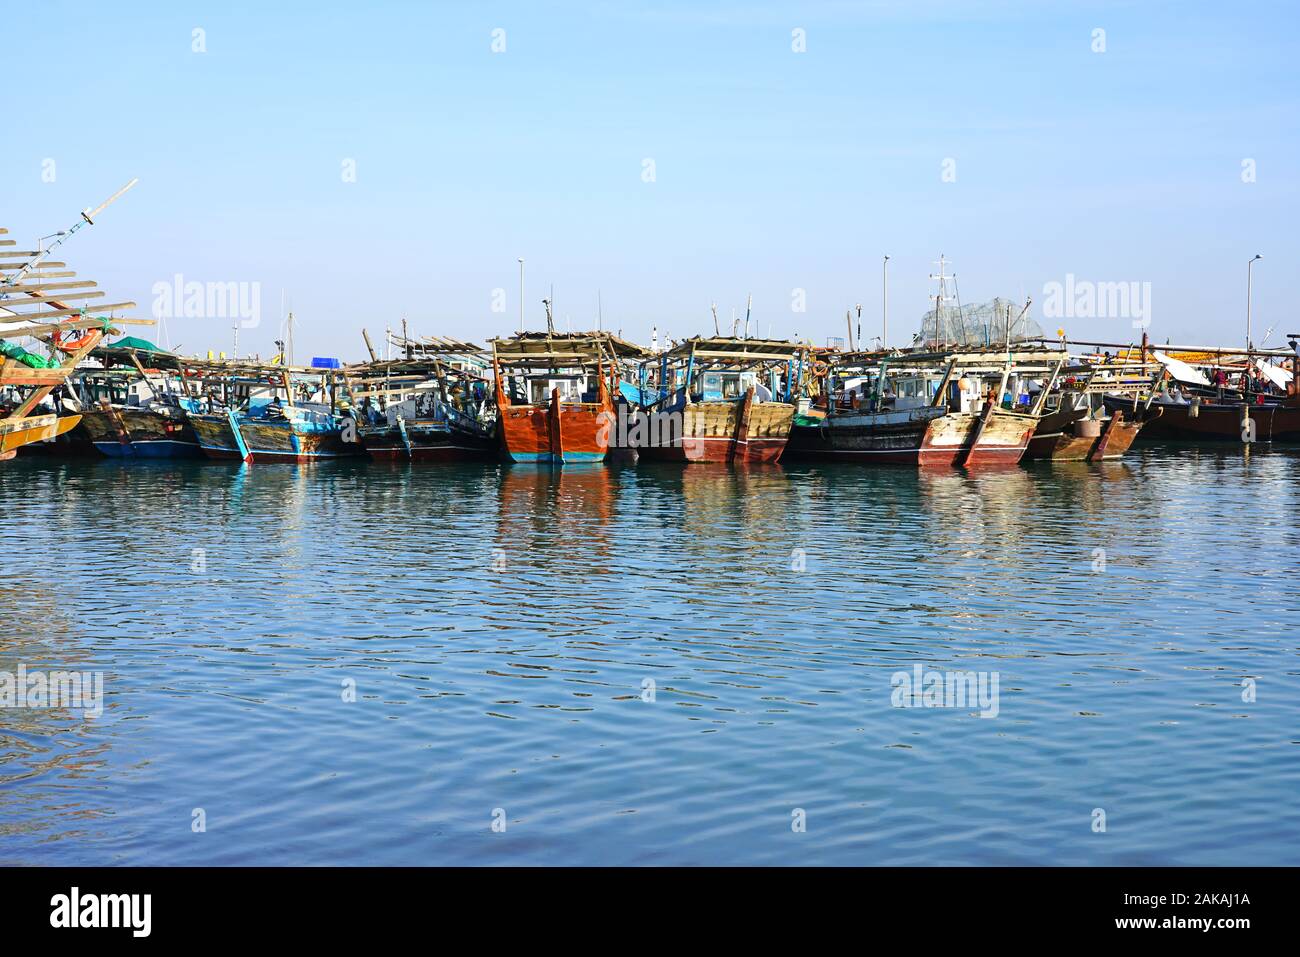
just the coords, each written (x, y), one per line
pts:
(774, 171)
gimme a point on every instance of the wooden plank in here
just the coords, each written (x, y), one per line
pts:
(50, 313)
(26, 375)
(48, 329)
(46, 286)
(746, 356)
(44, 264)
(36, 274)
(39, 300)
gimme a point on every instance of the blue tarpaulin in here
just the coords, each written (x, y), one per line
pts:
(325, 363)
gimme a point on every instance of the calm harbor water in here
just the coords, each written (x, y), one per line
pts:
(501, 623)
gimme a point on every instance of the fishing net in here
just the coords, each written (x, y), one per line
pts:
(985, 324)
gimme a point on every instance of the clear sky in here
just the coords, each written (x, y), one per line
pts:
(773, 170)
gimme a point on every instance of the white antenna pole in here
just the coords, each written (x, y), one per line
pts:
(884, 306)
(87, 219)
(521, 293)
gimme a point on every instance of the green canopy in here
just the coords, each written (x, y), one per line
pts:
(131, 342)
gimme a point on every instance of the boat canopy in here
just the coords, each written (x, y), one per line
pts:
(1180, 370)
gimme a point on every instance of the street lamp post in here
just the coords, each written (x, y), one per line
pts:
(1250, 264)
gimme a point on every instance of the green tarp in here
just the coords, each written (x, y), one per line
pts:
(131, 342)
(19, 354)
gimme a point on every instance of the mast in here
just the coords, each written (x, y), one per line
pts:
(884, 304)
(87, 219)
(941, 296)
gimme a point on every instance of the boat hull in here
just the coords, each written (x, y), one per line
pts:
(290, 442)
(556, 434)
(140, 433)
(890, 437)
(808, 439)
(743, 430)
(216, 437)
(1216, 422)
(425, 443)
(15, 434)
(1077, 441)
(977, 439)
(928, 437)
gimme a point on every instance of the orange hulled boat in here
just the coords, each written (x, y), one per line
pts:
(555, 393)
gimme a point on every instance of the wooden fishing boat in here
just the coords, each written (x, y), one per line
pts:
(970, 408)
(807, 435)
(33, 305)
(723, 399)
(554, 394)
(157, 431)
(1075, 425)
(304, 432)
(218, 391)
(1264, 405)
(287, 427)
(131, 405)
(217, 431)
(1232, 418)
(18, 432)
(435, 408)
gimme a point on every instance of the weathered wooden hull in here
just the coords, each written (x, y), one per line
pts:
(728, 431)
(718, 450)
(216, 437)
(808, 439)
(1215, 422)
(1118, 437)
(432, 442)
(287, 442)
(1067, 436)
(975, 439)
(886, 438)
(556, 434)
(140, 433)
(16, 433)
(1056, 438)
